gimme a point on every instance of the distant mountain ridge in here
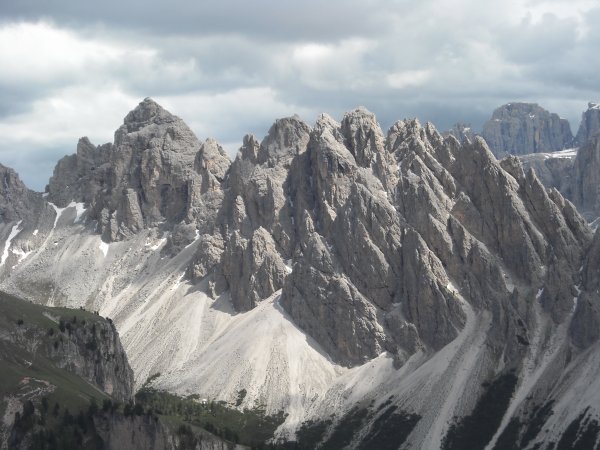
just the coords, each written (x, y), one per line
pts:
(526, 128)
(330, 271)
(520, 128)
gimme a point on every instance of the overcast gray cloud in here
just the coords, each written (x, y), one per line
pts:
(72, 68)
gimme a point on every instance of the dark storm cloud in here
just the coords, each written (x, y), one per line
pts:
(260, 18)
(73, 68)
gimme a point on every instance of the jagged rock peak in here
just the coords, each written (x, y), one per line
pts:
(590, 124)
(148, 111)
(326, 122)
(17, 201)
(461, 131)
(405, 133)
(286, 138)
(521, 128)
(213, 158)
(362, 135)
(10, 179)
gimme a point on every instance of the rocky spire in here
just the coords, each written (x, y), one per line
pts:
(590, 124)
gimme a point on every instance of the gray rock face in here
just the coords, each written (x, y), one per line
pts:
(81, 176)
(555, 170)
(155, 173)
(522, 128)
(252, 264)
(590, 124)
(17, 202)
(89, 348)
(585, 189)
(461, 131)
(94, 352)
(387, 231)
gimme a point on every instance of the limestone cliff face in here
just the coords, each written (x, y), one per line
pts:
(590, 124)
(20, 207)
(155, 173)
(255, 218)
(555, 170)
(80, 343)
(586, 178)
(522, 128)
(93, 351)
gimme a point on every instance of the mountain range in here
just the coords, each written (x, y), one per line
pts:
(398, 290)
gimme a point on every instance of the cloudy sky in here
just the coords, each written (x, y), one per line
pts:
(72, 68)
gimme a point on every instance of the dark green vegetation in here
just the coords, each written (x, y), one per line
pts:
(474, 431)
(49, 428)
(389, 430)
(344, 431)
(31, 335)
(249, 427)
(510, 438)
(581, 434)
(53, 407)
(311, 433)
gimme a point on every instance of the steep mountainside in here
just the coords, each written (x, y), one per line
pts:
(331, 271)
(554, 169)
(590, 124)
(522, 128)
(63, 375)
(574, 172)
(66, 357)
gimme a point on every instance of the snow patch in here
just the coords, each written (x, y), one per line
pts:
(35, 232)
(21, 254)
(13, 232)
(288, 266)
(452, 287)
(568, 153)
(58, 211)
(191, 243)
(79, 210)
(103, 246)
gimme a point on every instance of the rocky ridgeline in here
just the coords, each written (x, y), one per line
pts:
(399, 242)
(371, 237)
(522, 128)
